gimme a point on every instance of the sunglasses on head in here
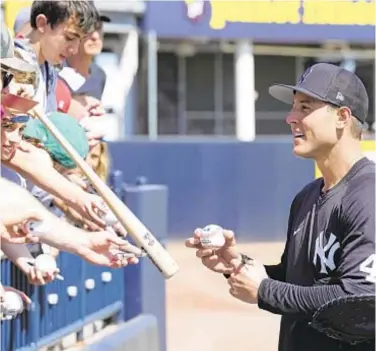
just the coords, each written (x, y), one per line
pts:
(21, 118)
(16, 119)
(6, 77)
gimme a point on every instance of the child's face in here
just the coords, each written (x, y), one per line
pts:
(94, 156)
(92, 44)
(59, 42)
(11, 137)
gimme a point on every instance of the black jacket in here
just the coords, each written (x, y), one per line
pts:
(329, 251)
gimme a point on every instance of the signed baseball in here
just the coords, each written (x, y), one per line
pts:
(212, 237)
(108, 216)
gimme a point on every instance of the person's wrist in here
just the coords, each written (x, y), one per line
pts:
(74, 194)
(81, 243)
(23, 265)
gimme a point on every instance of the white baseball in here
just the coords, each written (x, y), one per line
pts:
(109, 218)
(12, 305)
(46, 264)
(212, 237)
(38, 227)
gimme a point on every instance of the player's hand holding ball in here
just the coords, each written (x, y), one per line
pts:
(216, 247)
(211, 237)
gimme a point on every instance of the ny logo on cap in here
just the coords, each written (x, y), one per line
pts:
(304, 75)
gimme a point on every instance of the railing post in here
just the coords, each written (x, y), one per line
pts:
(145, 290)
(33, 317)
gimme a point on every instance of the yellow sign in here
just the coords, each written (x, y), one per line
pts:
(369, 149)
(320, 12)
(11, 9)
(253, 12)
(339, 12)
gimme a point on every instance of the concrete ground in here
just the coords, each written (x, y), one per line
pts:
(203, 316)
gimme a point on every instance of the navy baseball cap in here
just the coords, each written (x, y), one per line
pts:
(104, 18)
(331, 84)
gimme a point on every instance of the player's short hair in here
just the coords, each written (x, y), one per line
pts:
(57, 12)
(357, 128)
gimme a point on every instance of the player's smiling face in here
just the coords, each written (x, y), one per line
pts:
(313, 127)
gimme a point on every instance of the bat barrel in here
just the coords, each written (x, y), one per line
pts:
(136, 229)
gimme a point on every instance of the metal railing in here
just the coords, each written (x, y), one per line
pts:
(88, 293)
(91, 293)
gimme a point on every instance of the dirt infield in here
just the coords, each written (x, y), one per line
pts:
(202, 316)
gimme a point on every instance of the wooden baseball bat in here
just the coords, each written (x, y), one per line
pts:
(136, 229)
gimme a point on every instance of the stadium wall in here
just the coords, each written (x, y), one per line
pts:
(138, 334)
(247, 187)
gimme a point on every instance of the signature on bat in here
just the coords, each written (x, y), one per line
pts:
(149, 239)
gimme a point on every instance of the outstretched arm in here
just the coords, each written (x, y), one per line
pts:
(93, 247)
(47, 178)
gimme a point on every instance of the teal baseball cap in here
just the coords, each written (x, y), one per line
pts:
(69, 127)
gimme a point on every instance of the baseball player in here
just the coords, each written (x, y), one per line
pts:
(330, 247)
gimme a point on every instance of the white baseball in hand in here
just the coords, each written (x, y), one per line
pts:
(212, 237)
(109, 218)
(12, 305)
(46, 264)
(38, 227)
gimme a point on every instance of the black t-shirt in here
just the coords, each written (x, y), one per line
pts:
(330, 252)
(94, 84)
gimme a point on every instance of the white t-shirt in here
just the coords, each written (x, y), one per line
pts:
(47, 75)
